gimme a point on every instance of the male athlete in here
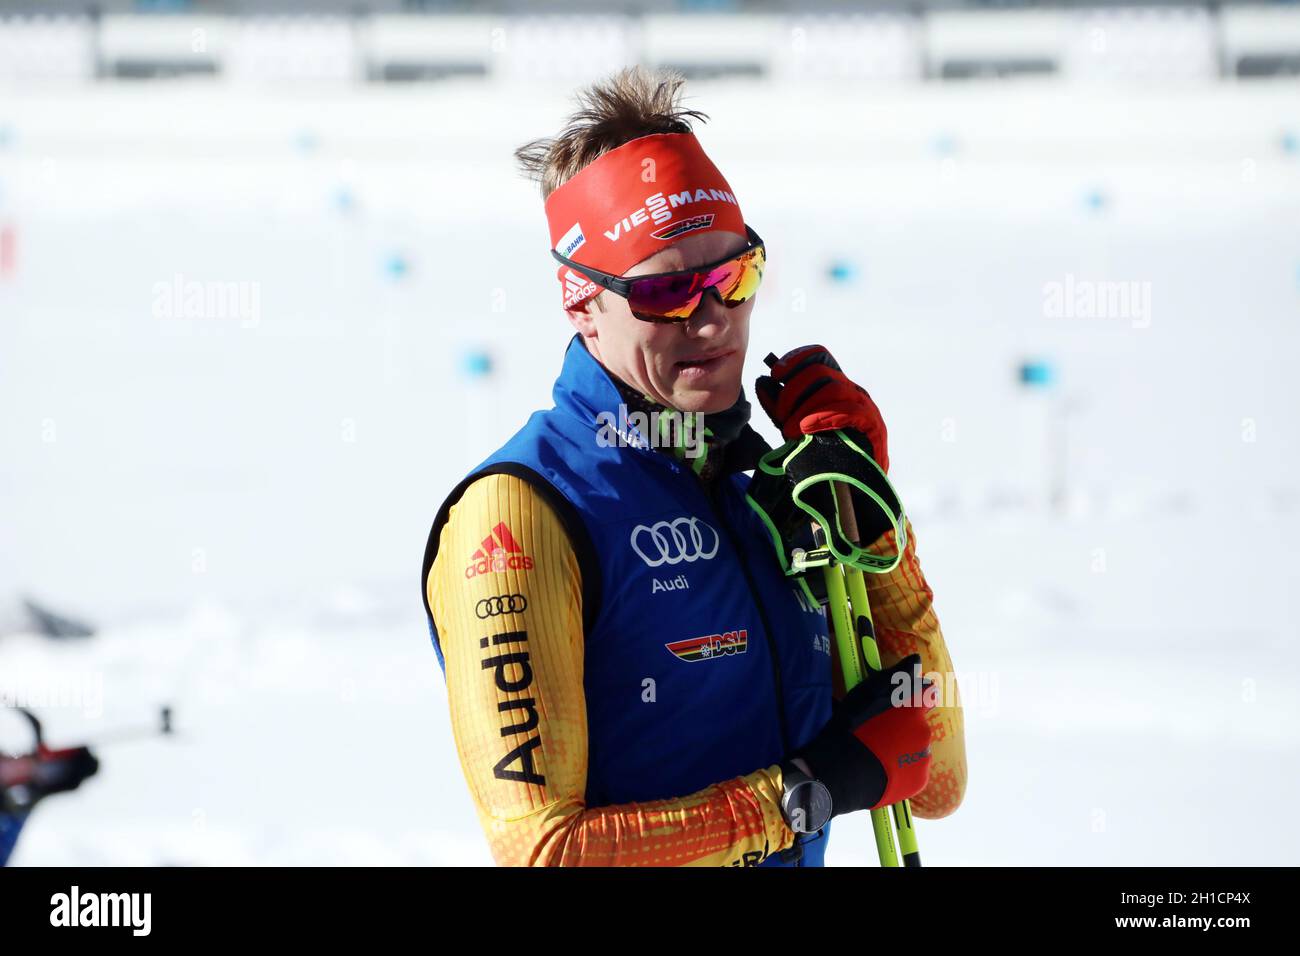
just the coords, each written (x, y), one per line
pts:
(633, 680)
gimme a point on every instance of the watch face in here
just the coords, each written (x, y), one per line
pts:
(808, 806)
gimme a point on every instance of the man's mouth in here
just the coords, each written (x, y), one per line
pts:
(705, 362)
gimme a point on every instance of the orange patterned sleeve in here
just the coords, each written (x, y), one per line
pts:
(506, 595)
(902, 608)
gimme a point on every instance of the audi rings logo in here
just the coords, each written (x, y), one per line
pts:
(672, 542)
(501, 604)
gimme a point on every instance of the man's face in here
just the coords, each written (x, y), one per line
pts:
(692, 366)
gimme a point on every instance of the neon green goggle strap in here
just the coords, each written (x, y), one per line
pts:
(810, 465)
(769, 495)
(771, 501)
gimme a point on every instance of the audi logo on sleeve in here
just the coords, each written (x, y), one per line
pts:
(672, 542)
(501, 604)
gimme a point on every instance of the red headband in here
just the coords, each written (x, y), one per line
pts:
(633, 201)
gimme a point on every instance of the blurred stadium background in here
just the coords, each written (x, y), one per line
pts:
(270, 284)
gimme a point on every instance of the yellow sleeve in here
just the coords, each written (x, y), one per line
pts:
(506, 595)
(902, 609)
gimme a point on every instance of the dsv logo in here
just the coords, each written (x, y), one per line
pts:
(672, 542)
(501, 604)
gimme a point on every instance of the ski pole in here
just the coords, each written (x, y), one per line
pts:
(866, 634)
(837, 609)
(122, 735)
(129, 734)
(855, 639)
(849, 612)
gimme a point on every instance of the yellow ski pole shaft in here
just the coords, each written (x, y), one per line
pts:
(858, 653)
(853, 668)
(866, 638)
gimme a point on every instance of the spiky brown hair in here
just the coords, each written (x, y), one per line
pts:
(634, 102)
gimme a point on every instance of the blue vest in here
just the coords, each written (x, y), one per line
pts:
(11, 824)
(702, 661)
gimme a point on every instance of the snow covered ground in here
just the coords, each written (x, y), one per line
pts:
(240, 496)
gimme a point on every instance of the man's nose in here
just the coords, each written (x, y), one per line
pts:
(710, 316)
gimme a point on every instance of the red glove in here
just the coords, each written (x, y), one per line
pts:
(808, 393)
(875, 749)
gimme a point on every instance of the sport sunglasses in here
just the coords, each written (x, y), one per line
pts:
(674, 296)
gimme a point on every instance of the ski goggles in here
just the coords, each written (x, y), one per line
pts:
(670, 297)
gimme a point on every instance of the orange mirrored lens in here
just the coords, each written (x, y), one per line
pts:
(676, 297)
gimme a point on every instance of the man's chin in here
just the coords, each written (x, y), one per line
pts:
(707, 401)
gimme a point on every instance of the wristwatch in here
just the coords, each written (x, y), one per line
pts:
(805, 801)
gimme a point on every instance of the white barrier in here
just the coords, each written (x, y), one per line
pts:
(1131, 45)
(46, 49)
